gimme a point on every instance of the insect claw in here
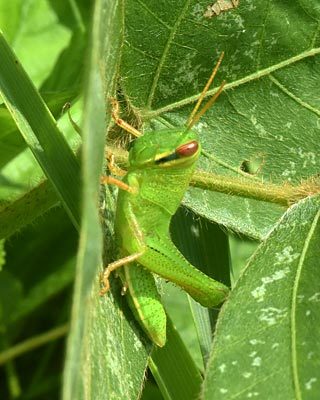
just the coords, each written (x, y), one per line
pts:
(104, 279)
(120, 122)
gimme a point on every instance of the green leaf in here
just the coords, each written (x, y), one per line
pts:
(48, 287)
(27, 208)
(35, 26)
(2, 254)
(271, 66)
(41, 259)
(175, 382)
(49, 41)
(266, 341)
(11, 142)
(10, 297)
(102, 339)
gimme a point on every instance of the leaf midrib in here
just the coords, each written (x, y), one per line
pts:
(252, 77)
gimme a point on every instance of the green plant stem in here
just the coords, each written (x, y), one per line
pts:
(30, 344)
(13, 381)
(40, 199)
(284, 194)
(236, 186)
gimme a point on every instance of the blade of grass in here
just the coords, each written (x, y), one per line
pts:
(90, 247)
(39, 130)
(102, 339)
(27, 208)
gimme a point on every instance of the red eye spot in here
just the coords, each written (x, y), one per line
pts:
(188, 149)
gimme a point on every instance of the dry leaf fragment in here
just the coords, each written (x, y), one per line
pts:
(220, 6)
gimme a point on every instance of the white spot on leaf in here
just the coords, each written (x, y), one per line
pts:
(256, 362)
(222, 368)
(310, 355)
(259, 292)
(272, 315)
(252, 394)
(315, 298)
(291, 171)
(254, 342)
(310, 382)
(286, 256)
(195, 230)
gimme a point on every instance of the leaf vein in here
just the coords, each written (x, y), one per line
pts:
(316, 34)
(144, 53)
(165, 52)
(262, 36)
(293, 96)
(154, 15)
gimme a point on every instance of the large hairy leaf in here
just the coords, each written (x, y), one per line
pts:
(266, 341)
(269, 111)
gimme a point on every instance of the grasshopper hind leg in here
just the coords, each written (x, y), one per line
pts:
(165, 260)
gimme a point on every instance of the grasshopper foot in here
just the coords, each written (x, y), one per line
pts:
(104, 279)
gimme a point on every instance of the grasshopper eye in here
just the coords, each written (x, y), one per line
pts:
(187, 149)
(183, 151)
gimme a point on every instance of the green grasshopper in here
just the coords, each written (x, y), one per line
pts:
(161, 165)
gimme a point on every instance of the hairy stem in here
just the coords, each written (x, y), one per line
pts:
(283, 194)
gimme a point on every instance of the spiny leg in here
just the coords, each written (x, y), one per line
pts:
(109, 180)
(113, 167)
(112, 267)
(120, 122)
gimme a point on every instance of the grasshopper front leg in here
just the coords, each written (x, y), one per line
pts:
(137, 234)
(112, 267)
(144, 299)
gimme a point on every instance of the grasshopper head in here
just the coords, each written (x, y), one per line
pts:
(165, 149)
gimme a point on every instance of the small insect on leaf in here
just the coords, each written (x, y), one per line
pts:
(161, 165)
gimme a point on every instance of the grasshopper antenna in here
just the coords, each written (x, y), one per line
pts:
(194, 116)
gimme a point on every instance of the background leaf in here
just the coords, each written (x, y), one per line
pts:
(266, 121)
(39, 33)
(271, 66)
(266, 340)
(175, 382)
